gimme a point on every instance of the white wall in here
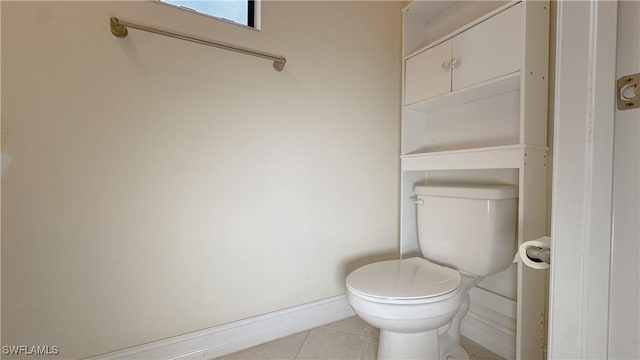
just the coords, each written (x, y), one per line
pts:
(155, 187)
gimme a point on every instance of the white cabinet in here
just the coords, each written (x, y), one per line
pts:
(427, 74)
(475, 110)
(488, 50)
(483, 52)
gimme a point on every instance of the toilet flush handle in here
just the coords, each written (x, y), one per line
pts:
(417, 201)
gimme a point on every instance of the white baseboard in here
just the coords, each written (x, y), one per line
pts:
(491, 334)
(239, 335)
(229, 338)
(493, 301)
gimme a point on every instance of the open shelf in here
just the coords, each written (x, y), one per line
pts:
(496, 157)
(501, 85)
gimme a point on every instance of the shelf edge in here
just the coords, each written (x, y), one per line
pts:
(497, 157)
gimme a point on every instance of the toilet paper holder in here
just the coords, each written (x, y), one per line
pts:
(538, 254)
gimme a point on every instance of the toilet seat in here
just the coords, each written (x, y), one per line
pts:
(409, 279)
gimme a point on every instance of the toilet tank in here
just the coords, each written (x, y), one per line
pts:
(471, 228)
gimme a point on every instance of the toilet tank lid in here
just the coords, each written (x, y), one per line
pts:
(475, 191)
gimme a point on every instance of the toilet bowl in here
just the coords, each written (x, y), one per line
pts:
(465, 233)
(417, 305)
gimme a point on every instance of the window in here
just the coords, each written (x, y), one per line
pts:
(239, 11)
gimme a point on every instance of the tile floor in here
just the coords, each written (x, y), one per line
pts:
(350, 338)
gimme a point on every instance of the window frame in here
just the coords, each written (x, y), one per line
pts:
(253, 14)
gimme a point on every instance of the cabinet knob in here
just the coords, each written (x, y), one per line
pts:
(445, 65)
(455, 63)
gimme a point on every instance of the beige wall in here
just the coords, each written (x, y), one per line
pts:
(155, 187)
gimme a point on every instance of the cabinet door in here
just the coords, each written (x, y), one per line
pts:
(425, 76)
(489, 50)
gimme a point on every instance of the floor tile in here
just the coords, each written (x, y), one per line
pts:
(353, 325)
(285, 348)
(323, 343)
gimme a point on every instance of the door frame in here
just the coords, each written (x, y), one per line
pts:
(582, 181)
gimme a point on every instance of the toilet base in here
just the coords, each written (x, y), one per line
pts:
(457, 353)
(423, 345)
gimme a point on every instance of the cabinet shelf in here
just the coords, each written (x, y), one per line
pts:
(501, 85)
(496, 157)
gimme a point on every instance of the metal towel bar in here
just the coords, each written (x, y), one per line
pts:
(119, 29)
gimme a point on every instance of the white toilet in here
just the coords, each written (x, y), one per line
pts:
(465, 233)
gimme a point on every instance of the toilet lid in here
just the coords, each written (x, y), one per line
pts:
(413, 278)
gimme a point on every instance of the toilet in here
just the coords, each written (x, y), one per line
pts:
(464, 233)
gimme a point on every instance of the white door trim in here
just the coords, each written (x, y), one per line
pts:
(582, 180)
